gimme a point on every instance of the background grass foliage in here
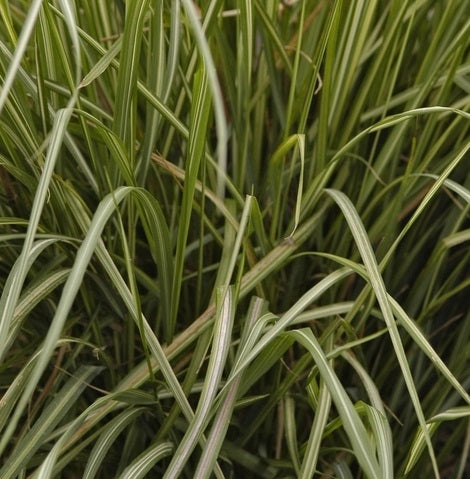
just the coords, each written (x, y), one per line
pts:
(235, 239)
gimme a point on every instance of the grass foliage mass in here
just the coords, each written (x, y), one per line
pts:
(234, 239)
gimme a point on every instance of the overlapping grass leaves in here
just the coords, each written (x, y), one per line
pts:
(170, 172)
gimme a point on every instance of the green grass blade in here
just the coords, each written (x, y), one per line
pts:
(127, 77)
(377, 284)
(384, 443)
(291, 432)
(213, 83)
(463, 192)
(40, 290)
(310, 459)
(285, 320)
(11, 291)
(141, 466)
(102, 64)
(60, 125)
(221, 422)
(68, 296)
(153, 343)
(406, 322)
(106, 439)
(357, 434)
(48, 420)
(196, 147)
(220, 346)
(429, 196)
(22, 44)
(419, 338)
(418, 446)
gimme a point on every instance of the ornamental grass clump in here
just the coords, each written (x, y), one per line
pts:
(234, 239)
